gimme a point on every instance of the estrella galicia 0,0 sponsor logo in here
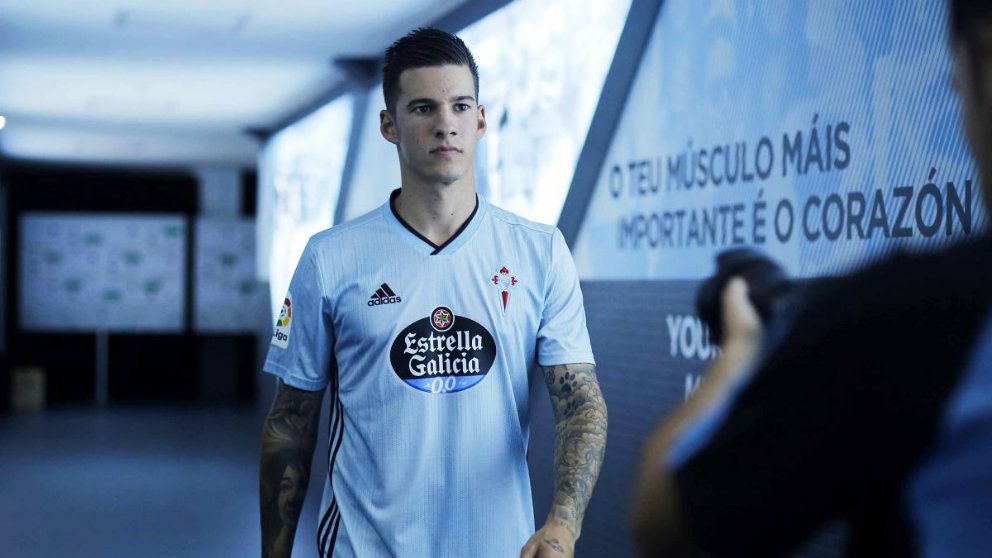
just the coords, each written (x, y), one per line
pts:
(443, 353)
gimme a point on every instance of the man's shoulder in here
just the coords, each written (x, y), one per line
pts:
(350, 234)
(932, 298)
(503, 218)
(956, 272)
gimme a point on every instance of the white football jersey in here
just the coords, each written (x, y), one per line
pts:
(427, 352)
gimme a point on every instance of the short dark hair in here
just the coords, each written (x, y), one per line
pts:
(425, 47)
(966, 15)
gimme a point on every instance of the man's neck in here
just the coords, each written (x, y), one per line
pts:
(436, 211)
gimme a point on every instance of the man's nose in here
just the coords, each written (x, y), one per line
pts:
(444, 125)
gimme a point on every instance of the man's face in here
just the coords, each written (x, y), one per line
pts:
(436, 123)
(973, 81)
(291, 493)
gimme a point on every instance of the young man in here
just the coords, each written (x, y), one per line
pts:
(872, 404)
(425, 318)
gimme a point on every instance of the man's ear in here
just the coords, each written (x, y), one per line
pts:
(387, 126)
(481, 131)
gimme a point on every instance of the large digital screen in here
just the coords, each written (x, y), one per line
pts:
(825, 133)
(542, 65)
(106, 272)
(300, 178)
(227, 298)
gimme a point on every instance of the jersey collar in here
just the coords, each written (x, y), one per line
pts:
(461, 236)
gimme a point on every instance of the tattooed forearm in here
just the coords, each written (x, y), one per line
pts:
(553, 543)
(288, 441)
(580, 432)
(293, 416)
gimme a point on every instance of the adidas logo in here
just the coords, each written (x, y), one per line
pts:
(384, 295)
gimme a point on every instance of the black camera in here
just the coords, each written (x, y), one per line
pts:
(768, 287)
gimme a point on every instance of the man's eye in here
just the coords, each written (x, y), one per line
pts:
(462, 107)
(422, 109)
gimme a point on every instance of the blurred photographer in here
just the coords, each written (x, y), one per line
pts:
(871, 403)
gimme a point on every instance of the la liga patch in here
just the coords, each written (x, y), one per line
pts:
(280, 337)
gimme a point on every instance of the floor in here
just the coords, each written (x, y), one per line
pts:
(177, 481)
(129, 482)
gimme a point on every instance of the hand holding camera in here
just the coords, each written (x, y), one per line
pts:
(766, 285)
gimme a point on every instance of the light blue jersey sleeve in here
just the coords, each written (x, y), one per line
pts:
(562, 337)
(300, 351)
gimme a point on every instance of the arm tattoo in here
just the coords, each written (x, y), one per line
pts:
(288, 441)
(580, 439)
(553, 543)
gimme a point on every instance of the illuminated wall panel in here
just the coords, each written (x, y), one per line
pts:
(300, 178)
(541, 69)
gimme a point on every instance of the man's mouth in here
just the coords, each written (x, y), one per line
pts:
(444, 150)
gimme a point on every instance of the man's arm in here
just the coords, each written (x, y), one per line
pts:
(656, 511)
(580, 441)
(288, 441)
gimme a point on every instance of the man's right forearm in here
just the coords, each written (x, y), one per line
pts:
(656, 518)
(288, 441)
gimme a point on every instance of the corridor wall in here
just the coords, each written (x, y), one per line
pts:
(825, 133)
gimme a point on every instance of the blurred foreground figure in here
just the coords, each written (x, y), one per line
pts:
(425, 320)
(871, 403)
